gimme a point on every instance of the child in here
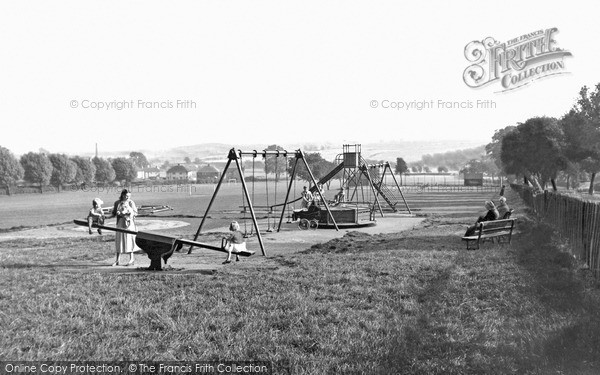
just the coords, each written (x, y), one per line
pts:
(235, 242)
(96, 215)
(339, 197)
(124, 209)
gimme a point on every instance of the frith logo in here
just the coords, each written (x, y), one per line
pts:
(515, 63)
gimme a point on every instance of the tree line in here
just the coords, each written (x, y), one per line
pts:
(546, 149)
(43, 168)
(59, 169)
(471, 160)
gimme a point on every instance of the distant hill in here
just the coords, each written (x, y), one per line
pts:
(385, 151)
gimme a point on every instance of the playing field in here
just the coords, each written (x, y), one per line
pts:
(191, 201)
(186, 200)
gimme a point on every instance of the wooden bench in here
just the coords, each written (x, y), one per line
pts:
(490, 230)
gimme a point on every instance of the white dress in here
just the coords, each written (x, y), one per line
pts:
(124, 242)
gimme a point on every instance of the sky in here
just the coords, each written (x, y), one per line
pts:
(155, 75)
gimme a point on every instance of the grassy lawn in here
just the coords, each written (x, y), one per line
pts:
(413, 302)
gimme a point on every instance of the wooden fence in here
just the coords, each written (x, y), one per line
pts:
(575, 219)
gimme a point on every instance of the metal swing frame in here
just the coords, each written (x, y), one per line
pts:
(235, 156)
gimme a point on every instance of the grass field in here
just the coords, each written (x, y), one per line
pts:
(186, 200)
(413, 302)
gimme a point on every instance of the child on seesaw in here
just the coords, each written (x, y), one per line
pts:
(234, 242)
(96, 216)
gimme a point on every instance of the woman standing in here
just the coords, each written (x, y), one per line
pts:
(125, 210)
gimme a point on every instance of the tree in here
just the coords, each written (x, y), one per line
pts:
(452, 159)
(442, 169)
(494, 148)
(535, 149)
(401, 166)
(570, 176)
(187, 160)
(86, 170)
(105, 172)
(275, 164)
(11, 170)
(426, 169)
(139, 160)
(63, 170)
(37, 169)
(582, 132)
(473, 166)
(197, 161)
(318, 166)
(124, 169)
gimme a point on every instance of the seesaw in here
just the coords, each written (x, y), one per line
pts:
(158, 246)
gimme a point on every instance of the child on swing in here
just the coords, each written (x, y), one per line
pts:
(96, 216)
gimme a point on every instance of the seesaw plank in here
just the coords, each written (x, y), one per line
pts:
(164, 239)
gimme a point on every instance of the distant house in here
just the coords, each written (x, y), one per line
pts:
(473, 179)
(151, 173)
(192, 169)
(208, 173)
(178, 172)
(162, 174)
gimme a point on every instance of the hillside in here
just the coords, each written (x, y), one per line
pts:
(386, 151)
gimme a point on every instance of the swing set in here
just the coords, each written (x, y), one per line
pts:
(248, 196)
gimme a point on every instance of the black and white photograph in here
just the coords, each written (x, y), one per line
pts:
(285, 187)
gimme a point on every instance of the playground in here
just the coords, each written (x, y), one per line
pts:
(313, 212)
(403, 293)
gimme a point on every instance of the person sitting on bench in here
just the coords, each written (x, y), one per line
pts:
(234, 242)
(492, 214)
(502, 208)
